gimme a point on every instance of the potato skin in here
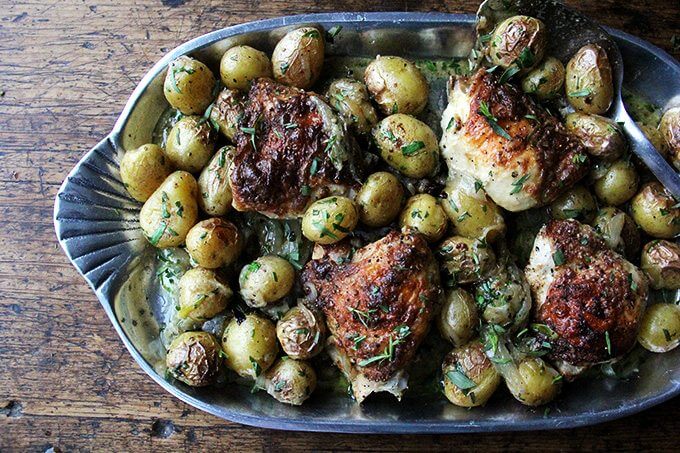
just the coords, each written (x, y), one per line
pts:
(465, 260)
(424, 214)
(301, 332)
(660, 328)
(242, 64)
(194, 358)
(171, 211)
(469, 362)
(576, 203)
(227, 111)
(213, 183)
(653, 208)
(408, 145)
(189, 85)
(214, 243)
(661, 262)
(601, 136)
(618, 230)
(143, 170)
(298, 57)
(588, 84)
(266, 280)
(546, 80)
(518, 40)
(396, 85)
(290, 381)
(350, 98)
(616, 183)
(330, 219)
(202, 294)
(250, 345)
(458, 318)
(380, 199)
(190, 144)
(669, 127)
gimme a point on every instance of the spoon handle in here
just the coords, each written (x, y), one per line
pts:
(644, 149)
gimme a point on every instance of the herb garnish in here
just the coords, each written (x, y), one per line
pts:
(609, 343)
(461, 380)
(517, 185)
(412, 148)
(492, 120)
(332, 33)
(558, 257)
(582, 93)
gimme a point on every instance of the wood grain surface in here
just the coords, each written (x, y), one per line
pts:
(66, 381)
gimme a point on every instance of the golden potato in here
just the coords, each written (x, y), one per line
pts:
(143, 170)
(655, 210)
(202, 294)
(191, 144)
(298, 58)
(424, 214)
(588, 83)
(214, 243)
(213, 183)
(380, 199)
(266, 280)
(189, 85)
(250, 345)
(240, 65)
(330, 219)
(226, 112)
(396, 85)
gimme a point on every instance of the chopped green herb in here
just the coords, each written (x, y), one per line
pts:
(156, 236)
(579, 159)
(314, 167)
(311, 34)
(492, 120)
(458, 378)
(358, 340)
(256, 366)
(558, 257)
(332, 33)
(582, 93)
(284, 67)
(305, 190)
(509, 73)
(389, 135)
(412, 148)
(517, 185)
(608, 342)
(478, 185)
(463, 216)
(362, 316)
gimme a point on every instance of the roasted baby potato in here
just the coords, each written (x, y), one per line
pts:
(298, 58)
(458, 319)
(661, 262)
(518, 40)
(301, 332)
(535, 383)
(214, 243)
(242, 64)
(408, 145)
(226, 112)
(469, 377)
(194, 358)
(266, 280)
(250, 346)
(504, 297)
(143, 170)
(655, 210)
(350, 98)
(424, 214)
(191, 144)
(601, 136)
(473, 214)
(660, 329)
(588, 84)
(202, 294)
(616, 182)
(330, 219)
(213, 183)
(465, 260)
(669, 127)
(171, 211)
(189, 85)
(618, 230)
(546, 80)
(654, 136)
(577, 203)
(380, 199)
(396, 85)
(290, 381)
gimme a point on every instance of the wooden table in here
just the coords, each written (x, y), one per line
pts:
(66, 69)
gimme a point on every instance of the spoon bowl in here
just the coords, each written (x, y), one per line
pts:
(569, 31)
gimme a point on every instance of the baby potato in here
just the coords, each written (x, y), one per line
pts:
(424, 214)
(190, 144)
(618, 230)
(380, 199)
(249, 344)
(202, 294)
(465, 260)
(227, 112)
(330, 219)
(601, 136)
(298, 58)
(213, 183)
(588, 81)
(301, 332)
(143, 170)
(473, 214)
(266, 280)
(669, 127)
(240, 65)
(214, 243)
(660, 328)
(518, 40)
(458, 319)
(350, 98)
(615, 183)
(408, 145)
(654, 136)
(396, 85)
(535, 383)
(503, 297)
(290, 381)
(655, 210)
(661, 262)
(171, 211)
(469, 376)
(577, 203)
(189, 85)
(546, 80)
(194, 358)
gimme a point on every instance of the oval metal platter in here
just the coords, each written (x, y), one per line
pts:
(96, 224)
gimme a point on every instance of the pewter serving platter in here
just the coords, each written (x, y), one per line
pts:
(96, 224)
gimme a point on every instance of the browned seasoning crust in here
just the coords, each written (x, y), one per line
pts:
(387, 292)
(290, 157)
(592, 305)
(562, 159)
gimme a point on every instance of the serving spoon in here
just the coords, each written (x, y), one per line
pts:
(568, 32)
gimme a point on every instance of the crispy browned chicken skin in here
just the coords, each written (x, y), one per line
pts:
(378, 303)
(291, 149)
(591, 297)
